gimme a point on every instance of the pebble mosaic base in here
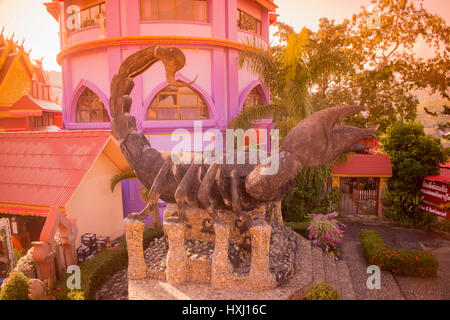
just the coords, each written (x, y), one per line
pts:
(199, 253)
(155, 289)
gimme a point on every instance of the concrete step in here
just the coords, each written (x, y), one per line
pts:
(304, 263)
(345, 281)
(318, 271)
(331, 274)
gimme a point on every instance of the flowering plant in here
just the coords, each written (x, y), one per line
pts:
(26, 263)
(326, 231)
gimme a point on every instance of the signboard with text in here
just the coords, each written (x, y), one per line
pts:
(436, 198)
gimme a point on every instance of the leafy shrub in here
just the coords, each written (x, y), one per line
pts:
(443, 225)
(300, 227)
(17, 255)
(323, 291)
(326, 231)
(309, 195)
(399, 261)
(15, 287)
(405, 208)
(95, 272)
(26, 263)
(75, 295)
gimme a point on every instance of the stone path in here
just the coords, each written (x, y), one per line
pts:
(394, 287)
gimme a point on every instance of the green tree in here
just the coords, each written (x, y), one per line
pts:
(299, 72)
(414, 156)
(387, 67)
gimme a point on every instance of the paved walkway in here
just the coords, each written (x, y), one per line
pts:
(397, 287)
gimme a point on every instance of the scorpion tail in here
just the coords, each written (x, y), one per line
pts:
(134, 145)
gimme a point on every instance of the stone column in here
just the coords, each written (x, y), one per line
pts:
(260, 277)
(221, 269)
(176, 257)
(277, 214)
(137, 268)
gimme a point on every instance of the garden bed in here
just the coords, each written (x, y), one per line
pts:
(398, 261)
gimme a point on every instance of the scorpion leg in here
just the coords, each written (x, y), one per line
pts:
(222, 186)
(155, 191)
(236, 202)
(204, 192)
(183, 190)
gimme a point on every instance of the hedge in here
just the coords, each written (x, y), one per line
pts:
(94, 272)
(399, 261)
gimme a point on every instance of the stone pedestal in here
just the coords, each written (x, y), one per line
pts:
(277, 214)
(137, 268)
(221, 269)
(260, 277)
(176, 257)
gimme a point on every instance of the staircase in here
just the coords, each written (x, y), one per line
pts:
(326, 268)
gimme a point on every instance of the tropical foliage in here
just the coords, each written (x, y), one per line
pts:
(414, 156)
(354, 62)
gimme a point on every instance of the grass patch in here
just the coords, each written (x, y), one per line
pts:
(399, 261)
(96, 271)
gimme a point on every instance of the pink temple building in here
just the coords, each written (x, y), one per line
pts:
(96, 39)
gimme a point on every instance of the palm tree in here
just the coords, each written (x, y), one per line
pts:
(285, 70)
(116, 179)
(297, 75)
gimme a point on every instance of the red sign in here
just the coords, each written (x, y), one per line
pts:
(436, 198)
(435, 210)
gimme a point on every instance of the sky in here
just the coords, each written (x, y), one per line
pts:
(29, 20)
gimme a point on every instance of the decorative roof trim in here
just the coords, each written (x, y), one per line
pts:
(149, 40)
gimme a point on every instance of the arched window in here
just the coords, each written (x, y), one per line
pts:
(90, 108)
(182, 103)
(253, 99)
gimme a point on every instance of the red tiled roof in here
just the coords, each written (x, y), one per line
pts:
(368, 165)
(25, 107)
(45, 168)
(28, 106)
(269, 4)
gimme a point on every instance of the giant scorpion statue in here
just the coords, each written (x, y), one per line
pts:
(212, 187)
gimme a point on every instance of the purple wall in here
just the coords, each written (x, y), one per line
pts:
(222, 85)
